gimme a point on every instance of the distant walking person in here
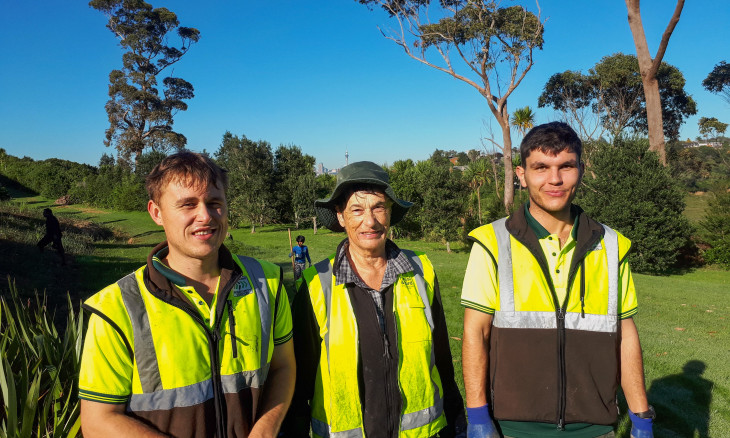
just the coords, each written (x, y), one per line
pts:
(53, 234)
(300, 252)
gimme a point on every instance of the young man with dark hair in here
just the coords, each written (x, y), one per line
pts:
(197, 342)
(549, 296)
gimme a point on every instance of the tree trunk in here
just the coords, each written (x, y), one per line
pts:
(654, 118)
(448, 247)
(253, 227)
(296, 219)
(648, 68)
(509, 172)
(314, 221)
(479, 206)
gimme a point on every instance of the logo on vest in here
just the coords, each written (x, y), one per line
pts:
(242, 288)
(408, 282)
(597, 247)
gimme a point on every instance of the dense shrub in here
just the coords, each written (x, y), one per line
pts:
(633, 193)
(715, 228)
(440, 197)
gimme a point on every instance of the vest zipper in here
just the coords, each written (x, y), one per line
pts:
(387, 359)
(582, 288)
(561, 368)
(213, 338)
(232, 328)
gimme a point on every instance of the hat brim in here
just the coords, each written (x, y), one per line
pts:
(325, 208)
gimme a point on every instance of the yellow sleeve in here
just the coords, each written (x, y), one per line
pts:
(282, 319)
(481, 288)
(627, 302)
(106, 365)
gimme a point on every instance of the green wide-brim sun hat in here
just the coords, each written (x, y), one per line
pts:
(362, 172)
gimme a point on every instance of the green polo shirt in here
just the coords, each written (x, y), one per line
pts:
(559, 263)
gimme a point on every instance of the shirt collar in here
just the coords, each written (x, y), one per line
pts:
(397, 263)
(540, 231)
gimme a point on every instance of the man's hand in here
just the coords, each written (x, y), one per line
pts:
(641, 427)
(278, 391)
(480, 423)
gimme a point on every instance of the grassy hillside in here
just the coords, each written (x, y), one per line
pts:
(683, 320)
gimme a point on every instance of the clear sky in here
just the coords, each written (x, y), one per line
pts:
(317, 74)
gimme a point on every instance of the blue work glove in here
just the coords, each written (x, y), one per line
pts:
(640, 427)
(480, 423)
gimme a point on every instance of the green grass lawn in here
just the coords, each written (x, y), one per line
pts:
(683, 320)
(695, 206)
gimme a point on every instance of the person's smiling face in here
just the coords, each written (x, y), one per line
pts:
(194, 216)
(366, 220)
(551, 180)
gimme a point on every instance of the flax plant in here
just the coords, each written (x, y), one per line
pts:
(38, 369)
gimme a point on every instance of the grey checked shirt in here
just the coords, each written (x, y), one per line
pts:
(397, 263)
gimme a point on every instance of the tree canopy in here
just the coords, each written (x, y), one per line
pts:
(141, 116)
(613, 91)
(710, 126)
(718, 81)
(494, 44)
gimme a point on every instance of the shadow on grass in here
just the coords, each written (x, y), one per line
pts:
(149, 233)
(111, 222)
(122, 245)
(98, 272)
(682, 401)
(32, 270)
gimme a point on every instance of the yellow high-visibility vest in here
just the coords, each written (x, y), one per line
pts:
(336, 408)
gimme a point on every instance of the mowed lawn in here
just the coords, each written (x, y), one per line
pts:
(683, 320)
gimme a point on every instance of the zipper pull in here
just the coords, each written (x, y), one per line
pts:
(386, 345)
(560, 425)
(561, 313)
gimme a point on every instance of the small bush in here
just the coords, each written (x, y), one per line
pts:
(633, 193)
(715, 228)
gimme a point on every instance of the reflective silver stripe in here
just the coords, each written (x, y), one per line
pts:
(420, 283)
(233, 383)
(258, 278)
(425, 416)
(610, 240)
(324, 270)
(167, 399)
(144, 347)
(504, 266)
(322, 429)
(546, 320)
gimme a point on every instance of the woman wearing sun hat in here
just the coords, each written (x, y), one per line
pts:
(370, 337)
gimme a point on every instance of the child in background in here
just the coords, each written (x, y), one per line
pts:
(300, 252)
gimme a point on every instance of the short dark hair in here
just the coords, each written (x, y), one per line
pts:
(341, 201)
(300, 238)
(47, 210)
(197, 169)
(550, 138)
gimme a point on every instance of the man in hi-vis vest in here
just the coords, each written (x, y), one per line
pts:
(196, 343)
(549, 297)
(370, 337)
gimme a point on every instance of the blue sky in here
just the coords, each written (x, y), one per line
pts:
(317, 74)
